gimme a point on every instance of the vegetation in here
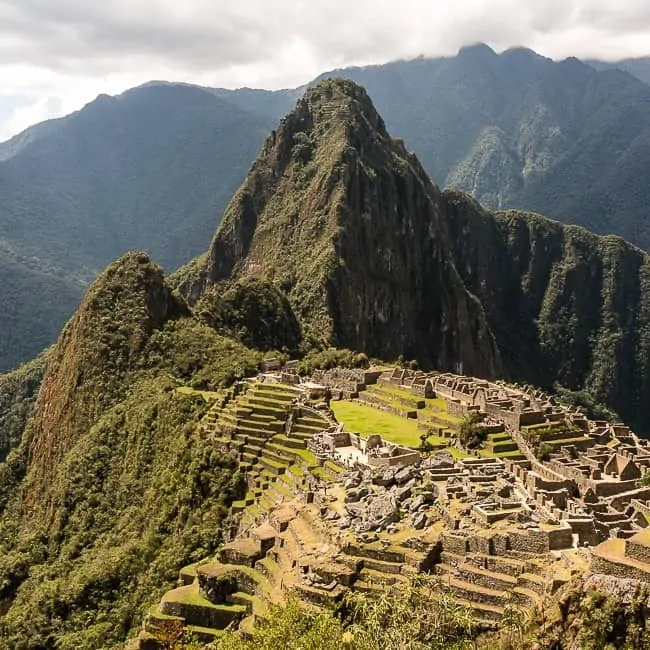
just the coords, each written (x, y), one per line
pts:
(543, 451)
(471, 434)
(35, 302)
(331, 358)
(254, 312)
(585, 401)
(419, 617)
(644, 480)
(589, 619)
(18, 392)
(123, 489)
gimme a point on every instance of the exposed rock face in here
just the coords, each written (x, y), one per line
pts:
(347, 222)
(563, 304)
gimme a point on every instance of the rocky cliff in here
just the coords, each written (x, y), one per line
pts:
(564, 305)
(345, 220)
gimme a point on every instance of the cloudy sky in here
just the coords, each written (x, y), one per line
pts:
(56, 55)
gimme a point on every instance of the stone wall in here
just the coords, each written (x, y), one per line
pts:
(637, 551)
(394, 461)
(618, 569)
(530, 541)
(456, 544)
(560, 538)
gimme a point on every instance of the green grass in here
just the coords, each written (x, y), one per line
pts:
(296, 470)
(436, 404)
(486, 453)
(366, 420)
(456, 453)
(207, 395)
(332, 467)
(397, 392)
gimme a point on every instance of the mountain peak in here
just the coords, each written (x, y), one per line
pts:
(345, 221)
(335, 103)
(99, 345)
(477, 51)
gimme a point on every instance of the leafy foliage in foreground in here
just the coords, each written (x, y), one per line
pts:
(418, 617)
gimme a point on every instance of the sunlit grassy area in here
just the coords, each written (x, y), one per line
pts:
(366, 420)
(207, 395)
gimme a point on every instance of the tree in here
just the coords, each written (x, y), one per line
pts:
(644, 481)
(471, 433)
(425, 446)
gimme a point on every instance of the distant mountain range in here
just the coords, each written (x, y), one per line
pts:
(154, 168)
(639, 67)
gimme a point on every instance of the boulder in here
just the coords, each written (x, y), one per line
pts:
(420, 521)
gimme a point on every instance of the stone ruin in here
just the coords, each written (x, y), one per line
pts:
(352, 450)
(495, 530)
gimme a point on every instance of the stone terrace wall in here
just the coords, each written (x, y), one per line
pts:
(637, 551)
(611, 567)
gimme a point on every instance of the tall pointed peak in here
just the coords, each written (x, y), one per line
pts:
(344, 220)
(298, 177)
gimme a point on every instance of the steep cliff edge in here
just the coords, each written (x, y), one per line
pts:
(565, 305)
(345, 220)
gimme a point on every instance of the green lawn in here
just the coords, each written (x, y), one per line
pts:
(207, 395)
(366, 420)
(436, 404)
(393, 391)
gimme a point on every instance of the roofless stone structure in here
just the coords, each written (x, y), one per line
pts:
(547, 494)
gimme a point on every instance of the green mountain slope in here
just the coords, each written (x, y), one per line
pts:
(111, 487)
(152, 169)
(331, 181)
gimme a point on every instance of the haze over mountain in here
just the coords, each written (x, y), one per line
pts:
(154, 168)
(639, 67)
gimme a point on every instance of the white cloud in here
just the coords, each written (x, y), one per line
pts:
(71, 50)
(41, 109)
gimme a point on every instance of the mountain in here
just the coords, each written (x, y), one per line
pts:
(155, 167)
(639, 67)
(519, 131)
(331, 180)
(107, 485)
(34, 304)
(397, 267)
(152, 168)
(336, 237)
